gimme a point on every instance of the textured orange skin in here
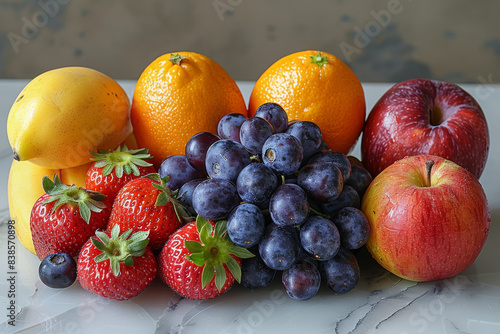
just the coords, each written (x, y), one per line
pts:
(181, 274)
(99, 279)
(172, 102)
(134, 208)
(426, 233)
(330, 96)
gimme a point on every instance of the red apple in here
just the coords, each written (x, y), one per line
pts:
(427, 221)
(422, 116)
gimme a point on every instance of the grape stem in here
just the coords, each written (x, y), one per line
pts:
(316, 212)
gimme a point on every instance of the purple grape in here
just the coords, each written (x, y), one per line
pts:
(309, 136)
(288, 205)
(197, 147)
(57, 270)
(278, 247)
(302, 280)
(225, 159)
(349, 197)
(229, 126)
(255, 274)
(341, 273)
(338, 159)
(274, 114)
(245, 225)
(282, 153)
(353, 227)
(185, 194)
(214, 199)
(179, 171)
(253, 134)
(256, 183)
(320, 238)
(360, 179)
(322, 181)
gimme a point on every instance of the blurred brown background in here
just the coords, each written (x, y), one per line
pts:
(381, 40)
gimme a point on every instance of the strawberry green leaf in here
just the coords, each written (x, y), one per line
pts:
(84, 212)
(101, 257)
(220, 276)
(120, 247)
(240, 252)
(162, 199)
(47, 184)
(200, 222)
(115, 232)
(138, 245)
(198, 259)
(129, 261)
(234, 268)
(193, 246)
(121, 160)
(205, 234)
(98, 244)
(220, 228)
(207, 275)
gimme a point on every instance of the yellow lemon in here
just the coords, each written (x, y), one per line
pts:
(63, 113)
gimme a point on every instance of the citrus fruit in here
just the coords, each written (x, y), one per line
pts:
(177, 96)
(318, 87)
(63, 113)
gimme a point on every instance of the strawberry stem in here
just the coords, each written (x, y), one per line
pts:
(121, 160)
(215, 250)
(88, 201)
(120, 247)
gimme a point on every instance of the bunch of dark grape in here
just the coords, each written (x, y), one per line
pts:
(285, 195)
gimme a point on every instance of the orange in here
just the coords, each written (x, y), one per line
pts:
(177, 96)
(318, 87)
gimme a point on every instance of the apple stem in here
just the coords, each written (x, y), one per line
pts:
(428, 168)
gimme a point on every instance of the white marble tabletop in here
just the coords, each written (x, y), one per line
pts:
(380, 303)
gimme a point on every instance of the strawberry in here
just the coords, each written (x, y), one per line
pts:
(147, 204)
(65, 217)
(197, 252)
(127, 165)
(116, 266)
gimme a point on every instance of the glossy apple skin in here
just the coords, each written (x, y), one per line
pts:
(399, 125)
(425, 233)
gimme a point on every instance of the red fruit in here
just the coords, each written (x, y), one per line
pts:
(116, 266)
(65, 217)
(147, 204)
(127, 164)
(200, 262)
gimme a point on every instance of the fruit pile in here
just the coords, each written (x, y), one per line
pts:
(188, 185)
(286, 197)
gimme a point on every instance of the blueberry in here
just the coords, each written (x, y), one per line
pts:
(341, 273)
(254, 132)
(322, 181)
(256, 183)
(225, 159)
(282, 153)
(179, 171)
(245, 225)
(302, 280)
(229, 126)
(274, 114)
(255, 274)
(57, 270)
(309, 136)
(214, 199)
